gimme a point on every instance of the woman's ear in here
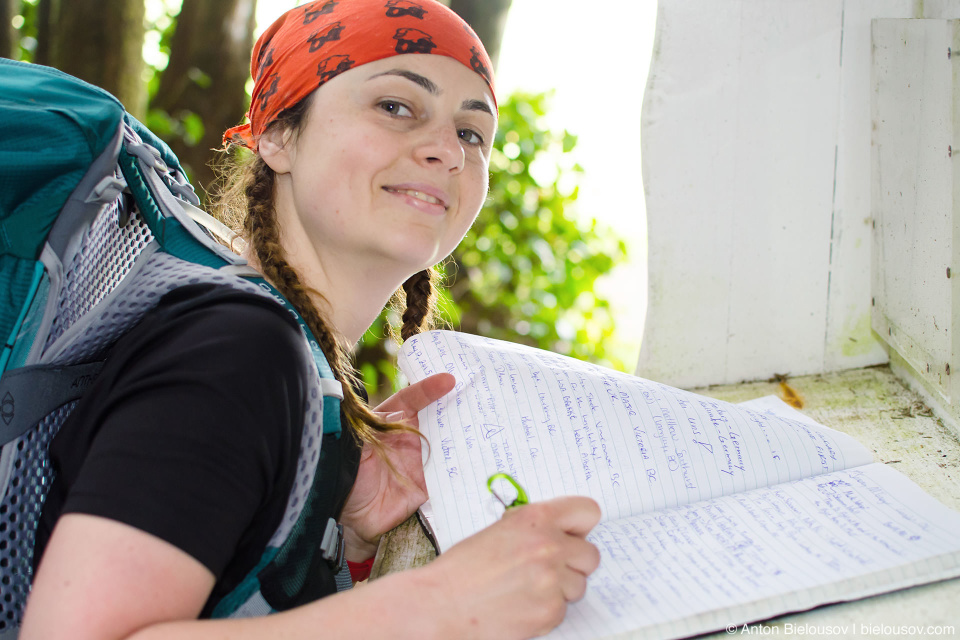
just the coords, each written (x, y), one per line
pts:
(276, 148)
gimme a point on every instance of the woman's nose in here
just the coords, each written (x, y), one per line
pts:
(441, 147)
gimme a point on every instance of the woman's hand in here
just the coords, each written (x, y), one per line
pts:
(515, 578)
(379, 499)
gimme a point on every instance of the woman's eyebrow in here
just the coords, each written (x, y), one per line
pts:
(416, 78)
(476, 105)
(432, 88)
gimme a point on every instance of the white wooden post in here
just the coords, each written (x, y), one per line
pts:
(916, 191)
(756, 154)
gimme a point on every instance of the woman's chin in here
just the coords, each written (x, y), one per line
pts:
(412, 254)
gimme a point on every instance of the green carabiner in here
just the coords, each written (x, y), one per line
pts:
(522, 498)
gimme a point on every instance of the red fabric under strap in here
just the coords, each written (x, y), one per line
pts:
(360, 570)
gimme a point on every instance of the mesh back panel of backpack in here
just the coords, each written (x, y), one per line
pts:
(20, 509)
(106, 255)
(107, 252)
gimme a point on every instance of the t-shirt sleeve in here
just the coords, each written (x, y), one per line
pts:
(194, 427)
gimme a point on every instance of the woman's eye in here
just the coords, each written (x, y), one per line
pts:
(395, 108)
(470, 136)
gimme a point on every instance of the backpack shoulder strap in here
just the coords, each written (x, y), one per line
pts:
(29, 394)
(332, 388)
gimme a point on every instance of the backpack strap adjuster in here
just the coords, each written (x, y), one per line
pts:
(332, 548)
(107, 190)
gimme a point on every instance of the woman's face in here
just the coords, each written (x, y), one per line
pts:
(391, 164)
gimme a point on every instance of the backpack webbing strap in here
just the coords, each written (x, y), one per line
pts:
(29, 394)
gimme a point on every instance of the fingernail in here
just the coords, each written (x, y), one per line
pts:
(396, 416)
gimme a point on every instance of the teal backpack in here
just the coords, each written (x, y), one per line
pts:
(97, 222)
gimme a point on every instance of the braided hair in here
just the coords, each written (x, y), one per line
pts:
(246, 204)
(420, 302)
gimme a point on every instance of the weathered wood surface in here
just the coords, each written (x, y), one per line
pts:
(406, 547)
(875, 408)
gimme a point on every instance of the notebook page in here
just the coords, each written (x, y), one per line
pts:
(776, 406)
(562, 427)
(754, 555)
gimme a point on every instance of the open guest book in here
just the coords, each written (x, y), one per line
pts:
(713, 513)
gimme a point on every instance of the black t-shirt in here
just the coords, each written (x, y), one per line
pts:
(192, 430)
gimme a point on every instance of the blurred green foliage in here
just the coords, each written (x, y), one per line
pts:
(526, 270)
(185, 125)
(25, 26)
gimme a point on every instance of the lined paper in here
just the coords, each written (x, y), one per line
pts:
(565, 427)
(699, 567)
(713, 514)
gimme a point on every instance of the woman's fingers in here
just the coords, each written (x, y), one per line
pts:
(573, 584)
(520, 573)
(582, 558)
(566, 521)
(582, 555)
(572, 515)
(557, 549)
(410, 400)
(576, 515)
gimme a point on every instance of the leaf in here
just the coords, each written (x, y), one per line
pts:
(198, 76)
(193, 128)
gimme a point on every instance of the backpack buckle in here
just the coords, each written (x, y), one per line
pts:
(332, 548)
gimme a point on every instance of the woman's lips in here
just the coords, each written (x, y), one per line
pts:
(424, 197)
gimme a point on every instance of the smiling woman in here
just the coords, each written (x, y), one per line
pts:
(201, 472)
(389, 171)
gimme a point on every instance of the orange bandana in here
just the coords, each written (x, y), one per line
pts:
(311, 44)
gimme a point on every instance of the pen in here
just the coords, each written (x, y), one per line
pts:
(521, 498)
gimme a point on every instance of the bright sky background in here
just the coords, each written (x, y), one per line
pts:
(595, 56)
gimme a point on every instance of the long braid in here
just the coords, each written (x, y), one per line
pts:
(420, 302)
(246, 203)
(263, 233)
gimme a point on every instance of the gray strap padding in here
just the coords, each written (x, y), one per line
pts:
(29, 394)
(80, 208)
